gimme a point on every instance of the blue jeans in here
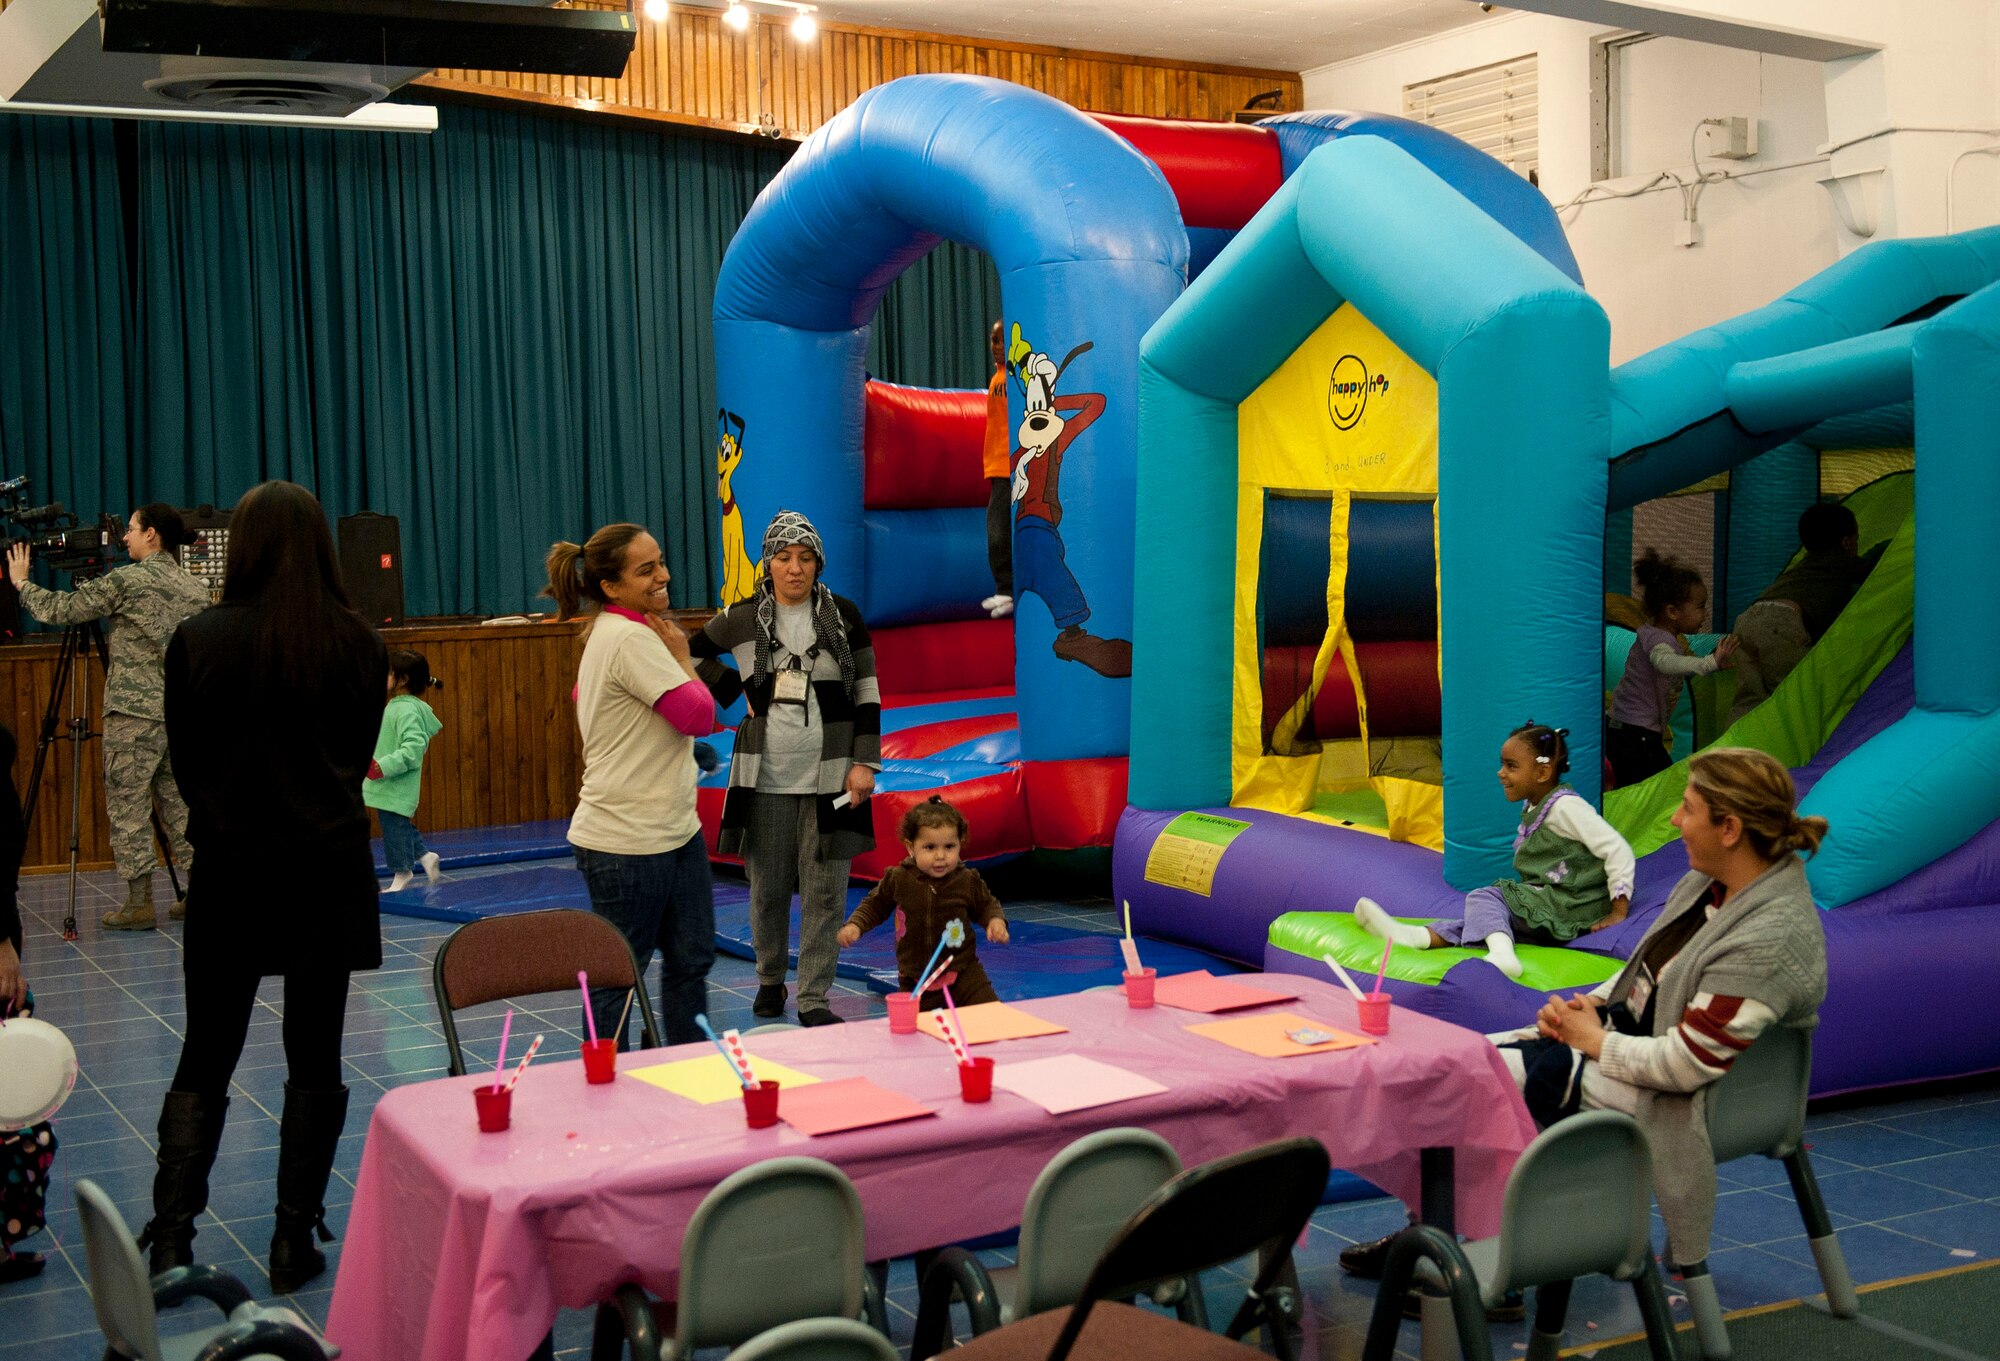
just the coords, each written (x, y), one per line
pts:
(402, 843)
(1041, 567)
(664, 902)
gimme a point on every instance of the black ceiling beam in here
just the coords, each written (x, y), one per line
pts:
(427, 33)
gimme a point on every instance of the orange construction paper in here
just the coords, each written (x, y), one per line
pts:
(990, 1021)
(1265, 1036)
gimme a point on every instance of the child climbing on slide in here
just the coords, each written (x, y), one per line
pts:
(1642, 707)
(1575, 871)
(928, 892)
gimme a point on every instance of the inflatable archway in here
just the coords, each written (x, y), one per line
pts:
(1089, 249)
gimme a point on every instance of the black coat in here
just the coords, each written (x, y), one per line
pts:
(284, 877)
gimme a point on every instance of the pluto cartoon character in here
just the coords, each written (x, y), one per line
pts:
(1050, 426)
(739, 570)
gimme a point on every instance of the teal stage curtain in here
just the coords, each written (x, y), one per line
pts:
(65, 298)
(498, 333)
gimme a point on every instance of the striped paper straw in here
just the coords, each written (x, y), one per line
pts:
(733, 1042)
(948, 1024)
(526, 1059)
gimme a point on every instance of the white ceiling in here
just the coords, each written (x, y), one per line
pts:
(1285, 35)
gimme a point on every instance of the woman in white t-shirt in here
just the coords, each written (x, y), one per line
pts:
(636, 833)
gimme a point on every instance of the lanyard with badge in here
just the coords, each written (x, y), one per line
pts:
(789, 685)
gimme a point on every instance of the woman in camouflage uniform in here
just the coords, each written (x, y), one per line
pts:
(145, 602)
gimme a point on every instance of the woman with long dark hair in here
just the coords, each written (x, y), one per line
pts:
(273, 702)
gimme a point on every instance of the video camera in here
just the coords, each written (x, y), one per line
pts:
(57, 536)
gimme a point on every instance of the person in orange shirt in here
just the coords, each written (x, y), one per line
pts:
(998, 461)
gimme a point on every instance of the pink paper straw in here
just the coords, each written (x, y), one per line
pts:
(500, 1068)
(589, 1016)
(526, 1059)
(1383, 972)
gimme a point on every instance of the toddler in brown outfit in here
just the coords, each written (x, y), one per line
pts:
(931, 889)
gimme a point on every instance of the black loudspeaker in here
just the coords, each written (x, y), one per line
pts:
(371, 563)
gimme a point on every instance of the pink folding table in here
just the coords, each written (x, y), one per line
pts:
(461, 1244)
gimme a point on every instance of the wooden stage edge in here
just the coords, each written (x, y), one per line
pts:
(509, 750)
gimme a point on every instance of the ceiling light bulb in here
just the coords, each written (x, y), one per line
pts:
(656, 10)
(804, 27)
(736, 17)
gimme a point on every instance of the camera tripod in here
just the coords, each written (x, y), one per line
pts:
(74, 638)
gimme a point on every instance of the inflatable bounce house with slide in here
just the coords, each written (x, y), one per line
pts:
(1321, 474)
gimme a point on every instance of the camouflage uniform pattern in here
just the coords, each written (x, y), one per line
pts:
(143, 602)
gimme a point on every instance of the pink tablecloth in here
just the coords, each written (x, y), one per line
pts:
(462, 1244)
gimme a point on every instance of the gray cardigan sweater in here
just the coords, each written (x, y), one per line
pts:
(1765, 943)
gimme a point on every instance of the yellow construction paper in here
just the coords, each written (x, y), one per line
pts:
(709, 1079)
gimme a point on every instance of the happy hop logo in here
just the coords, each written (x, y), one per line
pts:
(1348, 389)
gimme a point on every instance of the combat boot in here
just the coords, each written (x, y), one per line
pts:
(137, 914)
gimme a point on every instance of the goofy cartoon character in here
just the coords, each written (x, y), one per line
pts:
(739, 571)
(1051, 424)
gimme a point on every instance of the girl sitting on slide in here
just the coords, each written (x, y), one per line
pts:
(1575, 871)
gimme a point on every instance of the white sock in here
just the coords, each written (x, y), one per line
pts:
(429, 861)
(400, 882)
(1382, 926)
(1500, 950)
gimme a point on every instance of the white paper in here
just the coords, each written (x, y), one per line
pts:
(1071, 1082)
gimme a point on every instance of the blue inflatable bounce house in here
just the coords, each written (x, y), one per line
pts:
(1095, 225)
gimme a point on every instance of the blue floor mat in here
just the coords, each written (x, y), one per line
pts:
(492, 846)
(1040, 959)
(491, 895)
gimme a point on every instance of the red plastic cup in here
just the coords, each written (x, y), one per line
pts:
(600, 1061)
(496, 1108)
(1374, 1010)
(902, 1013)
(760, 1104)
(1139, 989)
(975, 1080)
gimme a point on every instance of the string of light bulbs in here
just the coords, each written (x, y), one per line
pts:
(737, 15)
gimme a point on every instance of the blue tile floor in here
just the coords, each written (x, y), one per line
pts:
(1914, 1184)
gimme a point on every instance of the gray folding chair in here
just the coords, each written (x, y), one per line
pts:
(1075, 1209)
(1759, 1107)
(818, 1339)
(774, 1028)
(776, 1242)
(128, 1302)
(1578, 1203)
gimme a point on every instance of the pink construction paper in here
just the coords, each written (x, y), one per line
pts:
(1203, 991)
(853, 1103)
(1071, 1082)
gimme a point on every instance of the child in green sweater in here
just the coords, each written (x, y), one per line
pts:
(395, 776)
(1575, 871)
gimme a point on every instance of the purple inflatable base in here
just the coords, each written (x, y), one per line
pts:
(1891, 1014)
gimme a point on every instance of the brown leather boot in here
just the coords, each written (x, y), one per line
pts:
(1106, 656)
(137, 914)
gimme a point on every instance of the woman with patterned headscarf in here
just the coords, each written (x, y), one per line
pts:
(805, 760)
